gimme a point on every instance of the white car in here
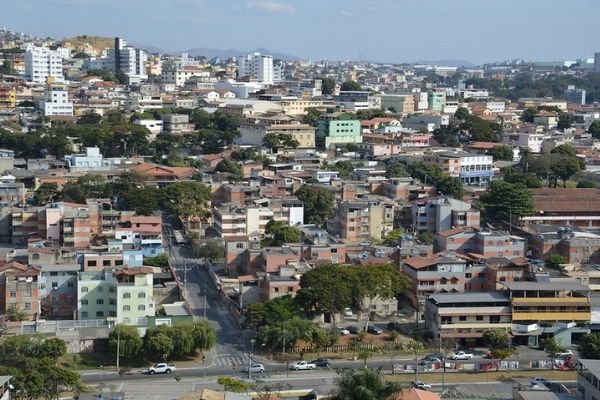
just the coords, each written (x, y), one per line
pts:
(348, 312)
(537, 379)
(302, 365)
(420, 385)
(256, 367)
(461, 355)
(344, 332)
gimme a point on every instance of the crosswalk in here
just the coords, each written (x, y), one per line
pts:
(240, 362)
(182, 260)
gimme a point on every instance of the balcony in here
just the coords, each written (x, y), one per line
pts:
(477, 325)
(583, 316)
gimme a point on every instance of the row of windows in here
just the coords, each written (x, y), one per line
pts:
(113, 302)
(126, 295)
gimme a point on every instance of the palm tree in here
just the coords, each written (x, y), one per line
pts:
(365, 384)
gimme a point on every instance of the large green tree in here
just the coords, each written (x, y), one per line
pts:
(364, 384)
(282, 233)
(590, 346)
(511, 200)
(187, 200)
(350, 86)
(327, 86)
(566, 167)
(128, 340)
(395, 169)
(501, 153)
(319, 203)
(594, 129)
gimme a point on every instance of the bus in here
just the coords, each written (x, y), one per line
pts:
(179, 238)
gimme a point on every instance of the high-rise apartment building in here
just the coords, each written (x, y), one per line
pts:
(127, 59)
(597, 62)
(56, 101)
(43, 64)
(574, 95)
(257, 67)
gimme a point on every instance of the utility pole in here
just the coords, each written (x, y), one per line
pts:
(205, 304)
(185, 280)
(118, 346)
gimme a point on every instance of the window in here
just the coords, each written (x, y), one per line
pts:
(13, 293)
(290, 289)
(479, 317)
(276, 290)
(112, 289)
(126, 295)
(84, 314)
(468, 275)
(126, 308)
(84, 302)
(106, 263)
(70, 284)
(91, 263)
(112, 313)
(502, 279)
(99, 313)
(126, 321)
(141, 295)
(28, 306)
(141, 307)
(239, 245)
(100, 289)
(462, 318)
(100, 301)
(118, 262)
(53, 273)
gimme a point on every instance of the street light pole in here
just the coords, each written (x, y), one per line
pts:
(118, 346)
(185, 281)
(205, 305)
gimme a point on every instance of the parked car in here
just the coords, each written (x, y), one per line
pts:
(161, 368)
(537, 379)
(352, 329)
(348, 312)
(344, 332)
(321, 362)
(564, 354)
(256, 367)
(374, 330)
(461, 355)
(302, 365)
(420, 385)
(430, 360)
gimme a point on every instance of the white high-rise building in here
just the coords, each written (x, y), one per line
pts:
(257, 67)
(56, 101)
(597, 62)
(42, 63)
(127, 59)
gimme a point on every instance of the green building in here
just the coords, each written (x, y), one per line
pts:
(124, 295)
(336, 128)
(436, 100)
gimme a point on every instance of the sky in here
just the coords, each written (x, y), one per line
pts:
(381, 30)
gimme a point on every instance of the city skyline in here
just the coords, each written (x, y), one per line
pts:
(379, 30)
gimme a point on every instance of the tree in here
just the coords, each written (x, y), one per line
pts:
(344, 168)
(158, 342)
(187, 200)
(393, 238)
(529, 114)
(426, 238)
(144, 200)
(46, 193)
(496, 339)
(232, 168)
(291, 331)
(90, 119)
(395, 169)
(128, 339)
(325, 289)
(350, 86)
(566, 167)
(462, 113)
(53, 348)
(231, 384)
(282, 233)
(319, 203)
(327, 86)
(552, 348)
(274, 140)
(201, 119)
(213, 251)
(364, 384)
(565, 149)
(564, 120)
(16, 315)
(161, 261)
(590, 346)
(271, 312)
(376, 282)
(450, 186)
(204, 335)
(594, 129)
(511, 200)
(553, 261)
(586, 183)
(501, 354)
(501, 153)
(226, 121)
(183, 341)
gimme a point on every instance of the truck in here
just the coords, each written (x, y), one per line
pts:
(161, 368)
(302, 366)
(461, 355)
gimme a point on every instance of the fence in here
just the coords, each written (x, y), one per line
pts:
(341, 348)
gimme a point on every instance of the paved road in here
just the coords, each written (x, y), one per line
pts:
(204, 301)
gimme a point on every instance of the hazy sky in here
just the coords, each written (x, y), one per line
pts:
(384, 30)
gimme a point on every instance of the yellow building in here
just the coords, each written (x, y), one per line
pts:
(8, 97)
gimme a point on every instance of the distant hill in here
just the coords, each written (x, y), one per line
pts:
(148, 49)
(210, 53)
(97, 42)
(448, 63)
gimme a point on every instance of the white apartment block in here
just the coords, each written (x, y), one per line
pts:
(43, 64)
(178, 76)
(256, 66)
(56, 101)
